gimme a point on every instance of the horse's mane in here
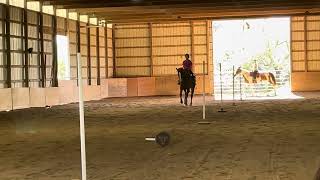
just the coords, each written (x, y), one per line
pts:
(180, 69)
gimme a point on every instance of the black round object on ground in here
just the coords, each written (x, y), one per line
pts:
(163, 139)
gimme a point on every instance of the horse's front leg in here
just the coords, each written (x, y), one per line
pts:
(192, 92)
(186, 93)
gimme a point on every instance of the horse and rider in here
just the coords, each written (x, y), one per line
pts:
(254, 77)
(187, 80)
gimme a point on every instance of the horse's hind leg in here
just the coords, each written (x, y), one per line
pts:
(192, 92)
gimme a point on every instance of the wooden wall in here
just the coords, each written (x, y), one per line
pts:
(132, 50)
(157, 49)
(2, 53)
(21, 29)
(305, 52)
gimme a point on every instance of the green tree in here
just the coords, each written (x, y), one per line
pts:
(269, 60)
(61, 70)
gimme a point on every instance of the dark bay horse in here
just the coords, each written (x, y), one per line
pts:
(187, 84)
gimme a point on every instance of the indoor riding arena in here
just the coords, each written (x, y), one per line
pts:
(91, 90)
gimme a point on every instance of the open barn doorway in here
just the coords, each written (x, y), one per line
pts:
(63, 57)
(252, 44)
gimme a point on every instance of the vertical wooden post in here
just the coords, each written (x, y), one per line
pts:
(291, 63)
(305, 44)
(192, 44)
(66, 23)
(26, 46)
(3, 37)
(8, 45)
(39, 45)
(54, 51)
(88, 53)
(98, 55)
(23, 62)
(114, 50)
(106, 50)
(151, 49)
(78, 44)
(208, 46)
(42, 61)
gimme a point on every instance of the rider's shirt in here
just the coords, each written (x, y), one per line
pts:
(187, 64)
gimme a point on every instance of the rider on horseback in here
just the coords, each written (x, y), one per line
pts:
(187, 66)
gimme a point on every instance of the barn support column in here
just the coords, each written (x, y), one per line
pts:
(106, 51)
(3, 39)
(98, 56)
(55, 51)
(151, 49)
(305, 43)
(26, 46)
(8, 45)
(88, 54)
(192, 43)
(42, 58)
(78, 43)
(291, 57)
(208, 45)
(39, 46)
(114, 50)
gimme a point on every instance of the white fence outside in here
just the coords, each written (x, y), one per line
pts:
(243, 90)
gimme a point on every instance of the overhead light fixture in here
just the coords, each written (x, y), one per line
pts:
(102, 23)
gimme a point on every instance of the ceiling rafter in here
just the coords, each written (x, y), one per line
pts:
(168, 10)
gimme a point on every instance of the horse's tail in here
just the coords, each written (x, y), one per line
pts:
(273, 79)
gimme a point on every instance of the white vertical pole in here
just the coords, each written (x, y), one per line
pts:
(204, 92)
(233, 93)
(82, 127)
(240, 87)
(220, 83)
(233, 84)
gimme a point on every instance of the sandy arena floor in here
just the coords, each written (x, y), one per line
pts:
(255, 140)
